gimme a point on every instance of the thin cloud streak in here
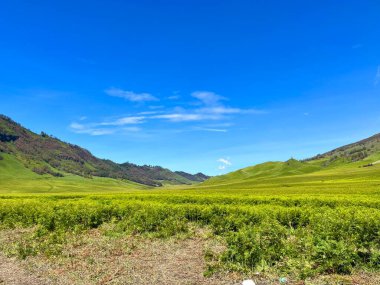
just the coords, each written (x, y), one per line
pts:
(130, 95)
(208, 98)
(82, 129)
(124, 121)
(213, 130)
(209, 108)
(179, 117)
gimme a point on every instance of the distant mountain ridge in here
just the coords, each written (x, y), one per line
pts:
(45, 154)
(354, 157)
(352, 152)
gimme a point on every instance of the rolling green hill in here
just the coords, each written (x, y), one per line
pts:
(15, 178)
(359, 160)
(300, 218)
(42, 163)
(42, 154)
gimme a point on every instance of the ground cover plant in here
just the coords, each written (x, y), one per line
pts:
(302, 230)
(299, 219)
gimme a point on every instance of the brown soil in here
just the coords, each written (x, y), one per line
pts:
(96, 259)
(13, 273)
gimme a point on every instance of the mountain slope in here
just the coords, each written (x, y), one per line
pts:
(16, 178)
(352, 152)
(44, 154)
(360, 159)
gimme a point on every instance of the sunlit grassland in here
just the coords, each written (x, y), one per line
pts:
(15, 178)
(290, 218)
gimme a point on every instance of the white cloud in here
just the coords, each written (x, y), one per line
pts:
(100, 132)
(149, 112)
(210, 107)
(124, 121)
(220, 110)
(208, 98)
(215, 109)
(179, 117)
(83, 129)
(377, 76)
(107, 128)
(130, 95)
(76, 126)
(212, 130)
(225, 161)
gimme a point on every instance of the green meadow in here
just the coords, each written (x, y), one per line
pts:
(298, 219)
(15, 178)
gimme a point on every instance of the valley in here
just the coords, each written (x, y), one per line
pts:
(308, 220)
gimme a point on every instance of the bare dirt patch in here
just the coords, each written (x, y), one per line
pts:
(12, 272)
(97, 259)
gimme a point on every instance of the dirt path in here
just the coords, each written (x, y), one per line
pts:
(12, 273)
(101, 261)
(173, 263)
(95, 259)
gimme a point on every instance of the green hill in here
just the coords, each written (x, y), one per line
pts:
(352, 152)
(42, 163)
(46, 155)
(357, 160)
(16, 178)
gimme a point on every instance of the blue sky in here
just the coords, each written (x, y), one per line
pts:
(208, 86)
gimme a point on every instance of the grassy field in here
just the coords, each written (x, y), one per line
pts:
(293, 219)
(15, 178)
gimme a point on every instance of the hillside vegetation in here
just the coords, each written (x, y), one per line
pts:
(44, 154)
(357, 160)
(299, 219)
(300, 229)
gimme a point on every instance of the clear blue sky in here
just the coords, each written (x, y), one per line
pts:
(208, 86)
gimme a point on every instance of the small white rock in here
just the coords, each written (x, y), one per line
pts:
(248, 282)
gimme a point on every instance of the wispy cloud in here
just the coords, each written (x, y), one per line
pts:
(177, 117)
(209, 107)
(175, 95)
(107, 128)
(224, 163)
(83, 129)
(223, 110)
(76, 126)
(130, 95)
(124, 121)
(212, 130)
(377, 76)
(149, 112)
(208, 98)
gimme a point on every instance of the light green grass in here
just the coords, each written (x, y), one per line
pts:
(15, 178)
(292, 218)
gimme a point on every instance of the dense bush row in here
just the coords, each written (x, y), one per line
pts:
(294, 236)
